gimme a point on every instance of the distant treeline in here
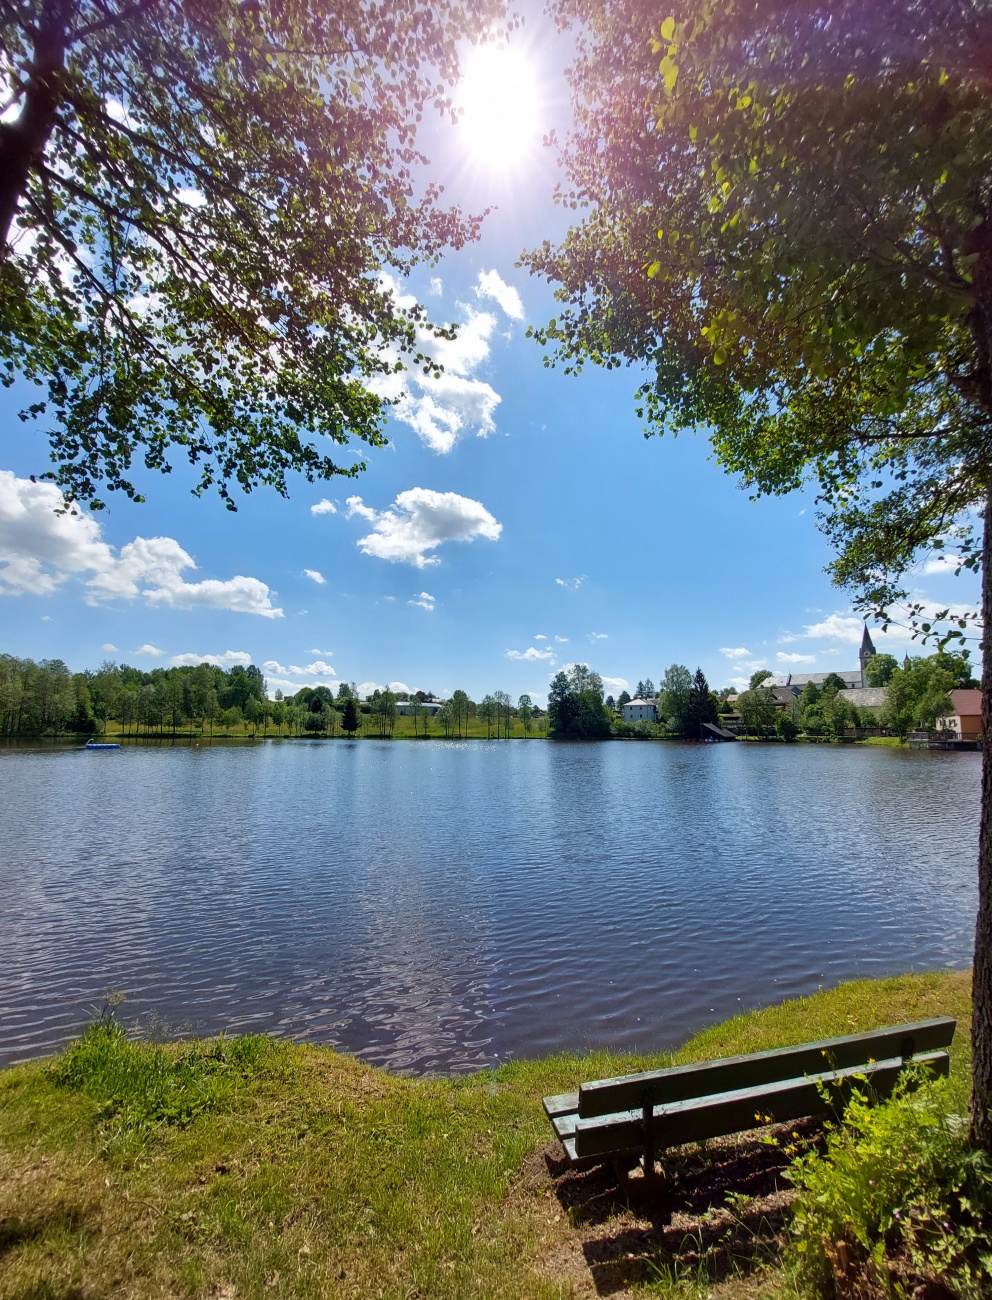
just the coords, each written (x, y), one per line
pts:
(46, 698)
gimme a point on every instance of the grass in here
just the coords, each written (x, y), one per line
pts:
(255, 1168)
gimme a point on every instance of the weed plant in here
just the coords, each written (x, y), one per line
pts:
(897, 1198)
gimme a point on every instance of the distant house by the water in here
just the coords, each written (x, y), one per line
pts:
(966, 720)
(428, 708)
(641, 710)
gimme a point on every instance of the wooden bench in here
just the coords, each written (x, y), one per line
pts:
(640, 1114)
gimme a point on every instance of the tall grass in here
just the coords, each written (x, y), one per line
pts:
(139, 1086)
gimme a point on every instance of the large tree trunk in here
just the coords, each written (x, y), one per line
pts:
(981, 1024)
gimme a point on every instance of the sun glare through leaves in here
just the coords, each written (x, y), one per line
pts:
(499, 109)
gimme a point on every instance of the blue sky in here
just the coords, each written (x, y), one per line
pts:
(517, 522)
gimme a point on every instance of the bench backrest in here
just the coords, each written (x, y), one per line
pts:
(659, 1087)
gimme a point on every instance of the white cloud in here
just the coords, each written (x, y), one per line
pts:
(226, 660)
(441, 408)
(570, 584)
(319, 669)
(784, 658)
(108, 647)
(943, 563)
(531, 654)
(491, 285)
(367, 688)
(315, 576)
(735, 652)
(324, 507)
(419, 521)
(40, 548)
(599, 636)
(437, 288)
(152, 651)
(837, 627)
(616, 684)
(425, 600)
(561, 640)
(288, 687)
(446, 407)
(320, 652)
(848, 628)
(540, 637)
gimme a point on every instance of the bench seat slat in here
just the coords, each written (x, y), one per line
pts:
(698, 1118)
(678, 1083)
(561, 1105)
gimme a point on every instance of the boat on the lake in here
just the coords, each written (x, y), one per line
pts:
(95, 744)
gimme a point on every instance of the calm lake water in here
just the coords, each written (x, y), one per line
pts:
(443, 906)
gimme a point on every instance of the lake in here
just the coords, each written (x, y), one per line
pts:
(439, 906)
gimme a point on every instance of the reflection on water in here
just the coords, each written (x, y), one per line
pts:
(441, 906)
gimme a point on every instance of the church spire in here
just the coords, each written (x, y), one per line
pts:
(867, 650)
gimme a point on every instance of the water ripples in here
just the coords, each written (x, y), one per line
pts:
(438, 906)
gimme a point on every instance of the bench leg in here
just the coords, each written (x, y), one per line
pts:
(648, 1157)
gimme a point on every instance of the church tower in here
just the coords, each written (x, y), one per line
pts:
(867, 650)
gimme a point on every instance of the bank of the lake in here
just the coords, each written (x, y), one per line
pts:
(299, 1172)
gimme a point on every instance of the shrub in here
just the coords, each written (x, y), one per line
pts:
(897, 1197)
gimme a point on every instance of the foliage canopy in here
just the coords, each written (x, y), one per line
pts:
(786, 217)
(197, 205)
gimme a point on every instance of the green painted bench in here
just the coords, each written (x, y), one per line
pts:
(637, 1115)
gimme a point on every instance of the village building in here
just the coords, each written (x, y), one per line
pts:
(641, 710)
(428, 708)
(853, 678)
(966, 720)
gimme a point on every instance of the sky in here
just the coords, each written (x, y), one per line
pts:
(518, 521)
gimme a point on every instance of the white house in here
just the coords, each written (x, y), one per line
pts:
(641, 711)
(430, 707)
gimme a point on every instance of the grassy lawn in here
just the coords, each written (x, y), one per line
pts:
(403, 729)
(258, 1168)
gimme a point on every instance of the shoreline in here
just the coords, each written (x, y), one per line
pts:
(278, 1169)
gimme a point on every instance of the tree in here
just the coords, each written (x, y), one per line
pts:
(458, 708)
(416, 711)
(525, 711)
(622, 699)
(758, 677)
(504, 713)
(879, 669)
(349, 719)
(787, 727)
(575, 704)
(487, 712)
(790, 220)
(196, 207)
(757, 710)
(918, 694)
(701, 707)
(832, 683)
(674, 696)
(645, 690)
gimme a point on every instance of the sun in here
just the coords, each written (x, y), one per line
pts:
(499, 110)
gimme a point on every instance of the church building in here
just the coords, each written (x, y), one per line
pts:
(853, 678)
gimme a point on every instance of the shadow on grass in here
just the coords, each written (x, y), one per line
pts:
(714, 1212)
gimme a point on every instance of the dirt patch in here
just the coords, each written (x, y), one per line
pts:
(714, 1212)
